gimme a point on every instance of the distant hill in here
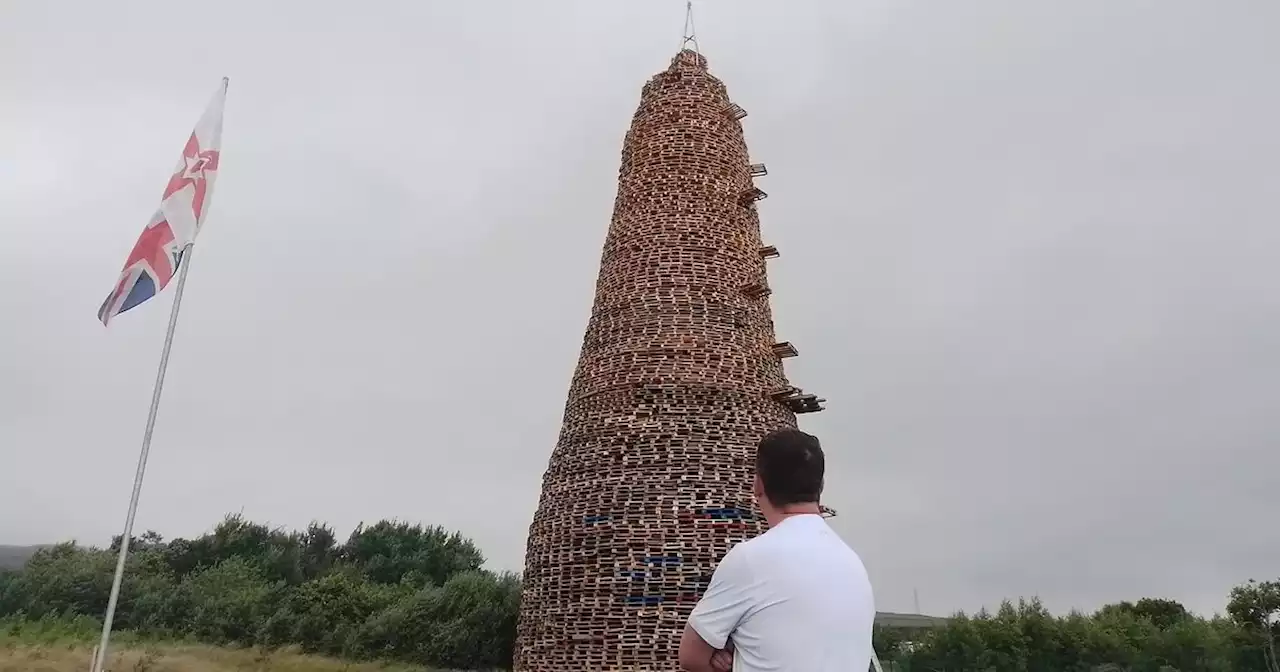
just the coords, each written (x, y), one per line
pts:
(14, 557)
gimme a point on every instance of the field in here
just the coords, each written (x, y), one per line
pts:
(66, 645)
(15, 657)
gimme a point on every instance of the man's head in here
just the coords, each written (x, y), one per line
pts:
(789, 471)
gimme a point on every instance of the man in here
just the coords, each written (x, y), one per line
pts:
(794, 599)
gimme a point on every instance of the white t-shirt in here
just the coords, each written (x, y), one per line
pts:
(794, 599)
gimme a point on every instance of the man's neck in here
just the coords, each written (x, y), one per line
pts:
(776, 516)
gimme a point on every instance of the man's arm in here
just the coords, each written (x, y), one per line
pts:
(717, 614)
(695, 653)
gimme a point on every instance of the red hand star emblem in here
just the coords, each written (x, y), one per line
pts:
(192, 171)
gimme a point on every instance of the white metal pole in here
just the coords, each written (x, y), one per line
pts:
(100, 655)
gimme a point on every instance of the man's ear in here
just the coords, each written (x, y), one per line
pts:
(757, 488)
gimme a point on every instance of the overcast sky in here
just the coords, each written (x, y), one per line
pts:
(1028, 254)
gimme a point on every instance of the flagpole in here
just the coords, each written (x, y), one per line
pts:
(100, 656)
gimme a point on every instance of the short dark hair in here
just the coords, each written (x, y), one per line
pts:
(790, 464)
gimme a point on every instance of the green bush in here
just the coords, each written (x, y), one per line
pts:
(468, 623)
(394, 590)
(392, 552)
(324, 615)
(1150, 636)
(229, 602)
(63, 579)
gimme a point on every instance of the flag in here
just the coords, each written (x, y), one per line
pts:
(158, 253)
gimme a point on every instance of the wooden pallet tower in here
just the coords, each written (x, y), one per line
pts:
(680, 376)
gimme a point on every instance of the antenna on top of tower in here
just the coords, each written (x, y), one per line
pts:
(690, 33)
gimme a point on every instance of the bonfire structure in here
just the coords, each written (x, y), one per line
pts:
(680, 376)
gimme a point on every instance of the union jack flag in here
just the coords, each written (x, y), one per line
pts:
(156, 256)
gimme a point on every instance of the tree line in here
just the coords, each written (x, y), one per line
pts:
(397, 591)
(392, 591)
(1150, 635)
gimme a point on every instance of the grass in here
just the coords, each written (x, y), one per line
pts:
(66, 645)
(72, 657)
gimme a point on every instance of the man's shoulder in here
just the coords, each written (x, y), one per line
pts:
(756, 545)
(800, 530)
(745, 554)
(740, 552)
(809, 541)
